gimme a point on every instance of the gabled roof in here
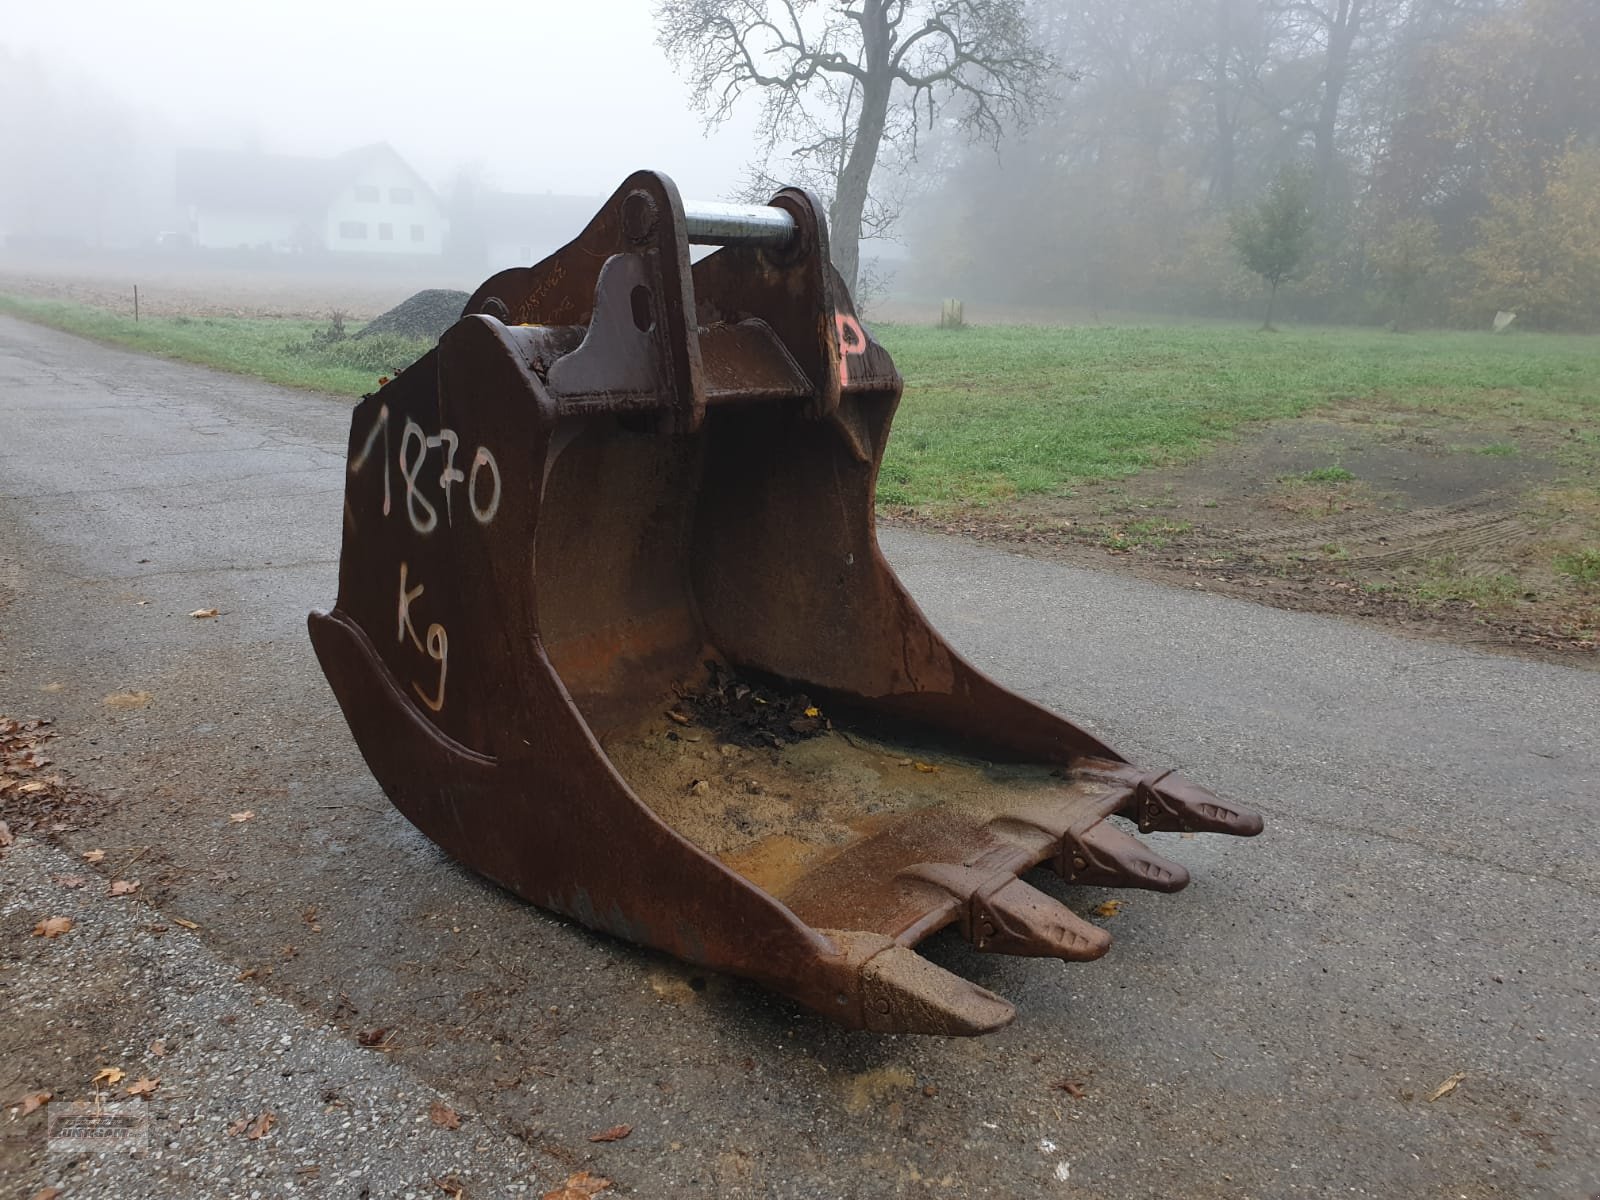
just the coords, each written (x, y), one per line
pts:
(247, 180)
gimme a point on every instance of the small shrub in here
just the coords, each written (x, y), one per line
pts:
(1320, 475)
(1582, 565)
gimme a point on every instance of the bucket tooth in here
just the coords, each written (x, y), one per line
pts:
(899, 991)
(1000, 914)
(1166, 802)
(1104, 856)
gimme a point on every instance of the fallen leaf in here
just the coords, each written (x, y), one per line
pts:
(451, 1186)
(1072, 1088)
(127, 699)
(615, 1134)
(248, 814)
(1109, 909)
(159, 1049)
(372, 1037)
(203, 613)
(49, 1193)
(124, 887)
(94, 856)
(579, 1187)
(443, 1116)
(813, 711)
(1445, 1088)
(238, 1127)
(31, 1102)
(674, 715)
(144, 1088)
(262, 1123)
(185, 924)
(111, 1075)
(5, 834)
(69, 881)
(926, 768)
(53, 927)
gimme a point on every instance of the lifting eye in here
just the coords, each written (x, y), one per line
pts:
(642, 316)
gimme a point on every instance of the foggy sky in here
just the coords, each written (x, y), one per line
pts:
(565, 96)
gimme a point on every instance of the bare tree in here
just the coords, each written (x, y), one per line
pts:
(845, 78)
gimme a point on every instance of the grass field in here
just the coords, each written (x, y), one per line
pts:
(1458, 472)
(995, 413)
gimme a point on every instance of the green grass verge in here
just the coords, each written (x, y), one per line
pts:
(993, 413)
(277, 349)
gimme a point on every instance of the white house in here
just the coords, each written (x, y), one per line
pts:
(365, 201)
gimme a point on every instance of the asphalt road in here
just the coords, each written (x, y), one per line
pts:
(1422, 904)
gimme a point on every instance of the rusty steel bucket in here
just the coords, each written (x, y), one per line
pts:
(614, 630)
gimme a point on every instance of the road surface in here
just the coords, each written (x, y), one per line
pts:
(1421, 907)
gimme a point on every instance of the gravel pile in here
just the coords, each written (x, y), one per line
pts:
(426, 315)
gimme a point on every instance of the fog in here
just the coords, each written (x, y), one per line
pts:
(544, 95)
(1446, 153)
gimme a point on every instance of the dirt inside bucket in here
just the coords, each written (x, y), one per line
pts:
(710, 762)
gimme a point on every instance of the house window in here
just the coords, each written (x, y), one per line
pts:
(401, 196)
(386, 232)
(353, 230)
(416, 233)
(367, 191)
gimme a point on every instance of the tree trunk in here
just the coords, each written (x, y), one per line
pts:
(1221, 93)
(850, 197)
(1342, 30)
(1272, 298)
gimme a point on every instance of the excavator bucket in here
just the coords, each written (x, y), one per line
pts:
(614, 630)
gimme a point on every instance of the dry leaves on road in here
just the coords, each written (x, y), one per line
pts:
(53, 927)
(127, 699)
(185, 924)
(258, 1129)
(203, 613)
(124, 887)
(69, 881)
(1072, 1088)
(5, 834)
(248, 814)
(49, 1193)
(109, 1075)
(159, 1049)
(579, 1187)
(1109, 909)
(443, 1116)
(31, 1103)
(615, 1134)
(144, 1088)
(1448, 1086)
(93, 856)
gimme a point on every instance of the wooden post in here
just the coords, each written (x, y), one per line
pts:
(136, 304)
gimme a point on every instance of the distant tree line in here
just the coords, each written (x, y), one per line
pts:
(1447, 153)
